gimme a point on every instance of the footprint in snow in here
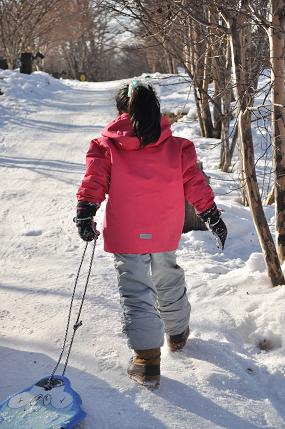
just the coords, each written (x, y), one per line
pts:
(33, 233)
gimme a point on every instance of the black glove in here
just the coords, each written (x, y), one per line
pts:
(84, 220)
(213, 221)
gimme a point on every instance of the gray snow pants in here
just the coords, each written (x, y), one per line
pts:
(153, 297)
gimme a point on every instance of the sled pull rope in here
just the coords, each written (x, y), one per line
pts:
(78, 322)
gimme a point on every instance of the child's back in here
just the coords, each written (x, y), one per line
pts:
(147, 174)
(147, 187)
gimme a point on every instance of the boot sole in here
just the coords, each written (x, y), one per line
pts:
(176, 346)
(149, 383)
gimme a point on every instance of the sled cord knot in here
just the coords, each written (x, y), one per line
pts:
(77, 325)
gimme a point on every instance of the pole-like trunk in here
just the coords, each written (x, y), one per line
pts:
(205, 108)
(217, 74)
(192, 58)
(226, 153)
(201, 69)
(234, 142)
(217, 108)
(238, 40)
(278, 120)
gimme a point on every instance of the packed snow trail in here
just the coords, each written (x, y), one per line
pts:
(221, 379)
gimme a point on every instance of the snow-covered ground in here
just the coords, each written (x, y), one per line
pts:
(231, 373)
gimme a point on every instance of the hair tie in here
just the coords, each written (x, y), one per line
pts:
(135, 83)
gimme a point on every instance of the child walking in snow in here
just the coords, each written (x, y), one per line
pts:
(147, 174)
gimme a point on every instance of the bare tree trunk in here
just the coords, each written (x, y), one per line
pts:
(234, 141)
(247, 150)
(218, 76)
(205, 108)
(270, 199)
(217, 106)
(173, 66)
(201, 81)
(192, 58)
(278, 119)
(226, 152)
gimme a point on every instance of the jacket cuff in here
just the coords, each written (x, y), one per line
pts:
(88, 207)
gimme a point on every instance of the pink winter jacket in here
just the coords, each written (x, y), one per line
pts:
(146, 187)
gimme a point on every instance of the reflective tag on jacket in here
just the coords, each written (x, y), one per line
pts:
(146, 236)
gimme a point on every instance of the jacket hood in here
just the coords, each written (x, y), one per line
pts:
(121, 130)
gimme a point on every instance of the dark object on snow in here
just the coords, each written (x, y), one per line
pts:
(3, 63)
(212, 219)
(26, 63)
(192, 222)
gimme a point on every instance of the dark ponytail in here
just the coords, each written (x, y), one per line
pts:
(142, 104)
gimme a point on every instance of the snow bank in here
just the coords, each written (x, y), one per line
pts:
(36, 86)
(24, 93)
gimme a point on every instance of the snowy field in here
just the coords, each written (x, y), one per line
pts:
(231, 373)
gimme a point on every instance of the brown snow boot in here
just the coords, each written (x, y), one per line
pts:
(177, 342)
(144, 367)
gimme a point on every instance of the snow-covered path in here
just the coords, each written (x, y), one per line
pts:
(220, 380)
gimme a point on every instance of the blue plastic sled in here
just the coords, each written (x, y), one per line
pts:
(39, 407)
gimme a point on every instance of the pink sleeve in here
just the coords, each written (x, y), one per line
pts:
(196, 189)
(95, 184)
